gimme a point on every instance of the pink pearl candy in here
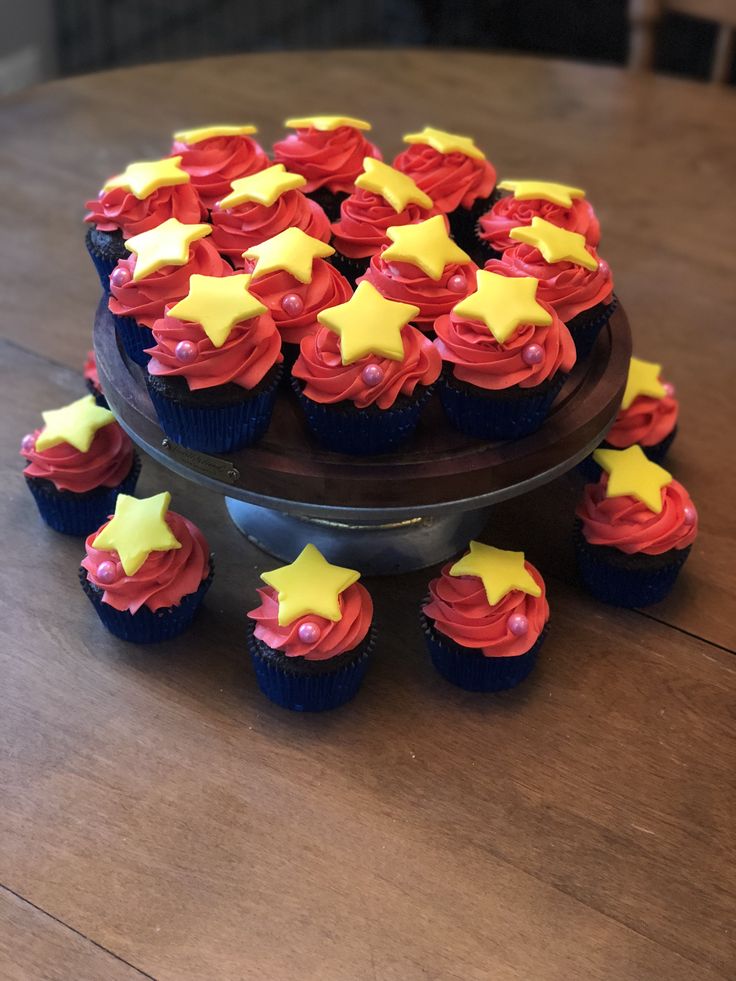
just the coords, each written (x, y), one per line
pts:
(292, 304)
(669, 390)
(689, 514)
(518, 624)
(28, 443)
(308, 632)
(532, 353)
(185, 351)
(457, 283)
(372, 375)
(120, 276)
(393, 270)
(107, 572)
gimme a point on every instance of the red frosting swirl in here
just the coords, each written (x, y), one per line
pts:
(329, 381)
(452, 180)
(509, 212)
(647, 421)
(163, 580)
(237, 229)
(459, 607)
(335, 637)
(214, 163)
(118, 208)
(326, 158)
(567, 287)
(480, 360)
(90, 371)
(364, 218)
(628, 525)
(106, 463)
(407, 283)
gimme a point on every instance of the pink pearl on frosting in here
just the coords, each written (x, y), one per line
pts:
(457, 283)
(292, 304)
(185, 351)
(107, 572)
(689, 514)
(669, 390)
(394, 270)
(28, 443)
(309, 632)
(518, 624)
(120, 276)
(532, 353)
(372, 375)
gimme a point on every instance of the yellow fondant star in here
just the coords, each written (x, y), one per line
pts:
(147, 176)
(369, 324)
(555, 244)
(504, 303)
(444, 142)
(643, 379)
(75, 424)
(632, 474)
(218, 303)
(264, 187)
(192, 136)
(426, 245)
(561, 194)
(326, 123)
(291, 250)
(138, 528)
(165, 245)
(310, 584)
(500, 571)
(390, 184)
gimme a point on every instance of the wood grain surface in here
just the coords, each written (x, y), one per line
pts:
(160, 818)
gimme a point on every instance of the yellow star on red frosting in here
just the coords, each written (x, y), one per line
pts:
(192, 136)
(310, 584)
(643, 379)
(165, 245)
(138, 528)
(75, 424)
(499, 571)
(504, 303)
(291, 250)
(218, 303)
(369, 324)
(326, 123)
(555, 244)
(426, 245)
(146, 176)
(264, 187)
(562, 194)
(444, 142)
(632, 474)
(390, 184)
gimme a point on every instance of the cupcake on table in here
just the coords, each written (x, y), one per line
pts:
(328, 151)
(259, 207)
(635, 529)
(215, 156)
(312, 633)
(143, 196)
(423, 266)
(485, 619)
(146, 570)
(78, 464)
(508, 354)
(92, 379)
(365, 376)
(215, 366)
(572, 278)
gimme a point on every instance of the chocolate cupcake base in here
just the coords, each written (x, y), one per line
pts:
(463, 222)
(105, 248)
(329, 201)
(350, 268)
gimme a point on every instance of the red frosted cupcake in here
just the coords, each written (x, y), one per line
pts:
(259, 207)
(215, 156)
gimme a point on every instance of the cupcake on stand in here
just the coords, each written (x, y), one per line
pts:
(215, 156)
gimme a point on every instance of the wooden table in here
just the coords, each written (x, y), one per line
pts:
(161, 819)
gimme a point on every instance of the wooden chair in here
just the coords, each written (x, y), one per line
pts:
(645, 14)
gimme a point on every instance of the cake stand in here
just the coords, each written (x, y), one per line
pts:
(384, 514)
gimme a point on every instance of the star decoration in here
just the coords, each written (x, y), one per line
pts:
(326, 123)
(291, 250)
(426, 245)
(500, 571)
(444, 142)
(165, 245)
(555, 244)
(147, 176)
(390, 184)
(310, 584)
(138, 528)
(218, 303)
(369, 324)
(265, 187)
(632, 474)
(75, 424)
(504, 303)
(562, 194)
(192, 136)
(643, 379)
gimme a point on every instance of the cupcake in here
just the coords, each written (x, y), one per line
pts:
(455, 174)
(383, 198)
(146, 570)
(572, 278)
(328, 151)
(215, 366)
(157, 272)
(215, 156)
(143, 196)
(259, 207)
(508, 354)
(424, 267)
(485, 619)
(634, 531)
(365, 376)
(559, 204)
(78, 463)
(92, 379)
(312, 634)
(290, 275)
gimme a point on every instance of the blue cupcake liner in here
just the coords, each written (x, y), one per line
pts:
(309, 686)
(135, 338)
(105, 248)
(146, 626)
(585, 328)
(494, 416)
(656, 453)
(79, 514)
(470, 669)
